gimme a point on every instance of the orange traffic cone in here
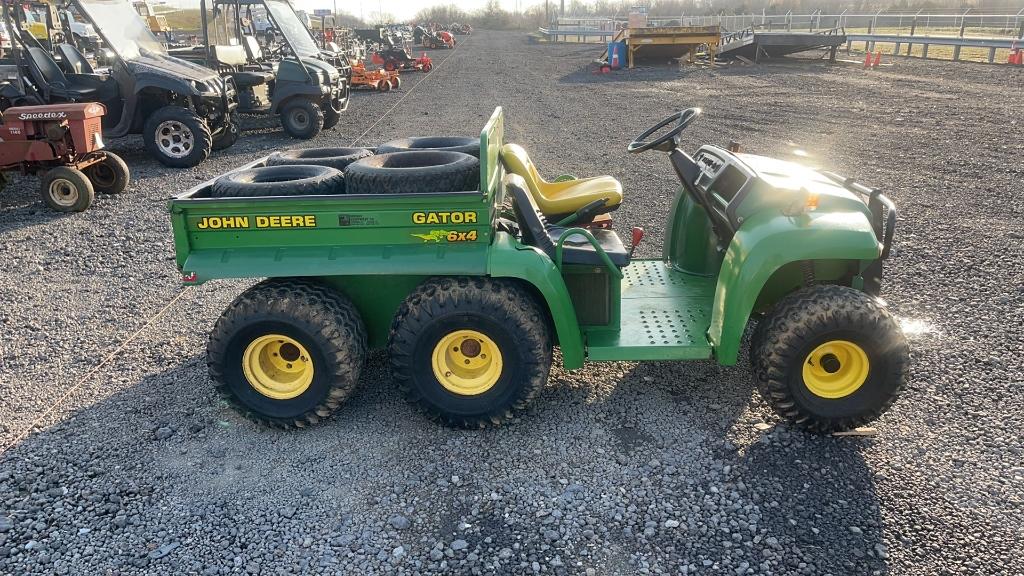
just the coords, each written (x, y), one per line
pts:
(867, 60)
(878, 59)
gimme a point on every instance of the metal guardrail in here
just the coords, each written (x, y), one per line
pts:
(957, 42)
(577, 34)
(1009, 24)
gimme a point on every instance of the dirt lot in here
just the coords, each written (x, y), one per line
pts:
(136, 468)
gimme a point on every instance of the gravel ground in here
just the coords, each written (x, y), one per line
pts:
(619, 468)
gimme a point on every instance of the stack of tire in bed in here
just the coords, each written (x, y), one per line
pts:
(404, 166)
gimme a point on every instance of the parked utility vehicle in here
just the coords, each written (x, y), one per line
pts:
(307, 93)
(183, 111)
(470, 290)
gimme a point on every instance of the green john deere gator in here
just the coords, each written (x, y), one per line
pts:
(470, 290)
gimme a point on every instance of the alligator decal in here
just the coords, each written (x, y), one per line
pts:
(433, 236)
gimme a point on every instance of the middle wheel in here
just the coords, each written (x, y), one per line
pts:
(470, 352)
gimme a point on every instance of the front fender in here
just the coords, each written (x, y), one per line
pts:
(509, 260)
(766, 242)
(160, 82)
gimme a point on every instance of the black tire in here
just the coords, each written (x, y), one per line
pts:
(229, 135)
(109, 176)
(413, 172)
(321, 320)
(799, 326)
(338, 158)
(301, 180)
(384, 86)
(331, 116)
(177, 137)
(66, 189)
(462, 144)
(302, 118)
(502, 311)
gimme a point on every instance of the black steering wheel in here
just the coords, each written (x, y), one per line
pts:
(670, 140)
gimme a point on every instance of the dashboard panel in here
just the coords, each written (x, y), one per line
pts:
(722, 176)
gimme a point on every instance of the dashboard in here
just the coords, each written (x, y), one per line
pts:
(721, 175)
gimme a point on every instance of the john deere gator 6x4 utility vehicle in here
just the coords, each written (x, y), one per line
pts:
(470, 290)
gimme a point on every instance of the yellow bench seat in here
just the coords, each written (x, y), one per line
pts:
(560, 199)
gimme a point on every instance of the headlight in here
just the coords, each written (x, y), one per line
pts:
(199, 86)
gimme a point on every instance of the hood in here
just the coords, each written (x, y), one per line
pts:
(321, 66)
(170, 66)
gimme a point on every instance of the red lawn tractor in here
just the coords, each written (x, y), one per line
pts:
(440, 39)
(63, 143)
(396, 58)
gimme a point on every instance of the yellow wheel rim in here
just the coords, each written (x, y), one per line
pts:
(466, 362)
(277, 366)
(836, 369)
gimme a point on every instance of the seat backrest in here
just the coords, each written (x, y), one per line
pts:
(229, 55)
(531, 221)
(75, 60)
(45, 69)
(518, 162)
(252, 46)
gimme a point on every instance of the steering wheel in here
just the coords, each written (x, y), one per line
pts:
(670, 140)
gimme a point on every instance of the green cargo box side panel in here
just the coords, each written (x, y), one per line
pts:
(340, 235)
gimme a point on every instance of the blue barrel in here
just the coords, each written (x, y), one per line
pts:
(617, 54)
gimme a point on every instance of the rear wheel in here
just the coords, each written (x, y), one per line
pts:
(66, 189)
(287, 352)
(177, 137)
(470, 352)
(384, 86)
(830, 358)
(109, 176)
(302, 118)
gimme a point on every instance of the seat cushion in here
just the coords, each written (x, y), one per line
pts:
(563, 198)
(559, 199)
(248, 79)
(578, 250)
(77, 92)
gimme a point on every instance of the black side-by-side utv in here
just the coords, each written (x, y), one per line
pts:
(182, 110)
(294, 82)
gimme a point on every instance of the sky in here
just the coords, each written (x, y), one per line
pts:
(367, 9)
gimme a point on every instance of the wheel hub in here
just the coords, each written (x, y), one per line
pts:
(835, 369)
(63, 192)
(467, 362)
(174, 139)
(277, 366)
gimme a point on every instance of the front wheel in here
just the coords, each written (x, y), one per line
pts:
(110, 175)
(66, 189)
(229, 135)
(177, 137)
(331, 116)
(302, 118)
(287, 352)
(470, 352)
(830, 358)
